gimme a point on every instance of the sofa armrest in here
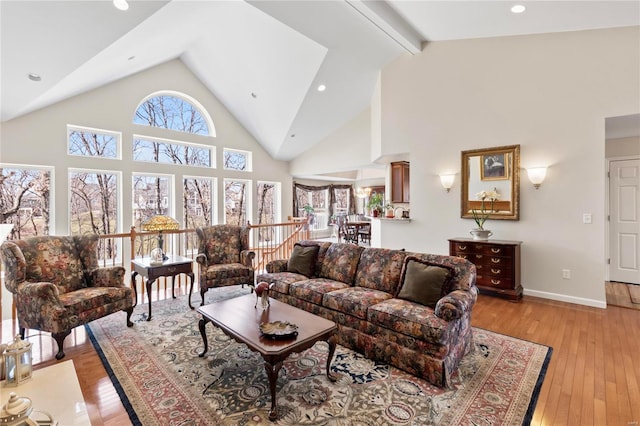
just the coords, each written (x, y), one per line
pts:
(275, 266)
(246, 257)
(14, 265)
(110, 276)
(202, 259)
(455, 304)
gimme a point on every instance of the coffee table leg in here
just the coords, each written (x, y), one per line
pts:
(272, 374)
(135, 289)
(203, 332)
(332, 349)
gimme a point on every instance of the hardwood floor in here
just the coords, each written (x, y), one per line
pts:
(619, 294)
(593, 377)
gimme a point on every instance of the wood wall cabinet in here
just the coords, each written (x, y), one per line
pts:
(497, 264)
(400, 182)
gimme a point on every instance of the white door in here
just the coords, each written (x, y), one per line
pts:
(624, 193)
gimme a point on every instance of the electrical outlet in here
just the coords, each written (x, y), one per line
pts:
(566, 274)
(586, 218)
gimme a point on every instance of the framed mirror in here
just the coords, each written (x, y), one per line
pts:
(488, 170)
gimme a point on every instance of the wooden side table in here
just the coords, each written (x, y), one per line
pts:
(174, 265)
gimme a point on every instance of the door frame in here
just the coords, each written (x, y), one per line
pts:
(607, 254)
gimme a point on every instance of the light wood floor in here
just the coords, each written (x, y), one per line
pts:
(619, 294)
(593, 377)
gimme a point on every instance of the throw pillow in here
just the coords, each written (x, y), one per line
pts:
(422, 282)
(303, 260)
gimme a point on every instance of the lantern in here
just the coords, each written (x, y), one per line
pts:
(18, 361)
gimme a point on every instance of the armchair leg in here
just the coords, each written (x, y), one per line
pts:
(21, 331)
(129, 311)
(202, 292)
(59, 337)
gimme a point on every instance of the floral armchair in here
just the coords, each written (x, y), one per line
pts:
(224, 257)
(58, 284)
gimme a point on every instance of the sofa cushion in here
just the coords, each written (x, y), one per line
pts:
(411, 319)
(227, 270)
(380, 269)
(423, 282)
(281, 280)
(303, 260)
(314, 290)
(341, 262)
(354, 300)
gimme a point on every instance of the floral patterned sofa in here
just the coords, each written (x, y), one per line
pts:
(363, 291)
(58, 284)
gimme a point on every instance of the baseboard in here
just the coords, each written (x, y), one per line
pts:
(564, 298)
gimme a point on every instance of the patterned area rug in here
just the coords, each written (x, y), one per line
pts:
(161, 380)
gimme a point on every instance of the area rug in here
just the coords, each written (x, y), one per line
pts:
(161, 380)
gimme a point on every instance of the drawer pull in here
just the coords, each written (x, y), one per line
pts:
(463, 256)
(495, 271)
(495, 282)
(478, 256)
(496, 260)
(462, 247)
(495, 250)
(171, 269)
(478, 266)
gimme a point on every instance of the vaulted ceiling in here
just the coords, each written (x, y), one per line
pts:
(263, 59)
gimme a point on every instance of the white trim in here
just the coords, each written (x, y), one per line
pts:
(607, 225)
(568, 299)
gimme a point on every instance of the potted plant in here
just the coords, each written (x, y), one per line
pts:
(309, 213)
(375, 204)
(480, 216)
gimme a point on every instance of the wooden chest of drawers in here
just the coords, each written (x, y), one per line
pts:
(497, 264)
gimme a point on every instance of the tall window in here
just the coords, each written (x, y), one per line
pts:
(234, 159)
(156, 150)
(267, 200)
(173, 112)
(93, 143)
(342, 200)
(151, 196)
(235, 201)
(198, 201)
(93, 202)
(25, 196)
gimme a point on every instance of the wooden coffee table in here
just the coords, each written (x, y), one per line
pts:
(238, 319)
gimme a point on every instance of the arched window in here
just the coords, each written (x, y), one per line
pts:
(174, 111)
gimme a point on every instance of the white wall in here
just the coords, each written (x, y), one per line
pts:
(40, 138)
(549, 93)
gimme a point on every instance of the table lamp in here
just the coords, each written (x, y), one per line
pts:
(160, 223)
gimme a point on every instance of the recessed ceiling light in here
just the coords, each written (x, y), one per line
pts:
(34, 77)
(121, 4)
(131, 58)
(293, 135)
(518, 8)
(322, 88)
(253, 95)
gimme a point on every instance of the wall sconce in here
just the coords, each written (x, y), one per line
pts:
(536, 175)
(447, 181)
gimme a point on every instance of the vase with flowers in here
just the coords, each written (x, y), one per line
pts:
(481, 216)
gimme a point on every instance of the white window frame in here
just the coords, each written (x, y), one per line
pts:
(248, 155)
(154, 139)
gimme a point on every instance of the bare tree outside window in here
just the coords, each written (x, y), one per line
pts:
(266, 197)
(171, 112)
(236, 160)
(25, 200)
(171, 153)
(235, 200)
(151, 197)
(92, 144)
(197, 202)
